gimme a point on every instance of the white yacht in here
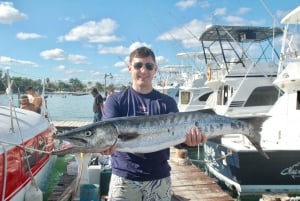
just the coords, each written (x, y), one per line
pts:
(235, 161)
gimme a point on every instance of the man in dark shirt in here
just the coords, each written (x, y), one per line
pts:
(142, 177)
(97, 106)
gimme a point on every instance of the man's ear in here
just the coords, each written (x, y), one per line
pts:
(156, 68)
(129, 68)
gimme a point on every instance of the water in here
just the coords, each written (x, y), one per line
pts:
(69, 107)
(63, 107)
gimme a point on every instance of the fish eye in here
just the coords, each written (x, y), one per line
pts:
(88, 133)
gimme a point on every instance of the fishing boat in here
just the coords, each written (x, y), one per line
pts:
(25, 143)
(193, 93)
(169, 78)
(234, 161)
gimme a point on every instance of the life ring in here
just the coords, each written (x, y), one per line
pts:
(208, 73)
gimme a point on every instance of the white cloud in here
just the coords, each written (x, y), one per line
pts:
(93, 32)
(127, 51)
(243, 10)
(54, 54)
(239, 21)
(220, 11)
(136, 45)
(60, 55)
(161, 60)
(67, 70)
(204, 4)
(77, 59)
(9, 15)
(184, 4)
(120, 64)
(188, 34)
(10, 61)
(112, 50)
(25, 36)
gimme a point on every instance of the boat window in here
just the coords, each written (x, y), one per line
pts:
(219, 97)
(298, 100)
(31, 156)
(261, 96)
(185, 97)
(223, 95)
(205, 96)
(41, 146)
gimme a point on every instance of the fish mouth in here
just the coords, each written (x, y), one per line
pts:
(68, 146)
(77, 141)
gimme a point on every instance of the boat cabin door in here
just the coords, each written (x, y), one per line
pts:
(223, 95)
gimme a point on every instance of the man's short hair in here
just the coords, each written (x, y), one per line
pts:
(141, 52)
(94, 91)
(24, 97)
(29, 89)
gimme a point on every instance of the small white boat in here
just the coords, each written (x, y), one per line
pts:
(169, 78)
(25, 143)
(193, 93)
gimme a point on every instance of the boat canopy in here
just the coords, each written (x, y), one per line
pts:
(239, 33)
(199, 55)
(293, 17)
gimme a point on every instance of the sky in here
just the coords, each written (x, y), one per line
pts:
(89, 39)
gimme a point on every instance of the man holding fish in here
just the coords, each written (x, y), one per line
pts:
(142, 176)
(139, 126)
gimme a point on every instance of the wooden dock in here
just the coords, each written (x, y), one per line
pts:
(189, 183)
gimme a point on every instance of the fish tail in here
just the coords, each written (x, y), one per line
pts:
(254, 138)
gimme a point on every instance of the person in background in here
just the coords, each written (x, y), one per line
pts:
(97, 106)
(142, 177)
(34, 98)
(25, 104)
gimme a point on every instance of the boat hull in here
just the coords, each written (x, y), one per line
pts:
(247, 172)
(26, 140)
(41, 177)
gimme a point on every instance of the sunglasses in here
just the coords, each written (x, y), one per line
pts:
(139, 65)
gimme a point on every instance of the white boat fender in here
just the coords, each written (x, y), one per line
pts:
(33, 193)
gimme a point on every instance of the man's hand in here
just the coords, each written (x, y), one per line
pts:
(194, 137)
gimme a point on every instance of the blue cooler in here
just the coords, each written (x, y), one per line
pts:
(89, 192)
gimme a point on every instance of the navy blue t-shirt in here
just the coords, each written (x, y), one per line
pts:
(149, 166)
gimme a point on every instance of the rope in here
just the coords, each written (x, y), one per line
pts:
(26, 155)
(80, 175)
(214, 160)
(23, 147)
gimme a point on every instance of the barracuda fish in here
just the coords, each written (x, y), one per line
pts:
(144, 134)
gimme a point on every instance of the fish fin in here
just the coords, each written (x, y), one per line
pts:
(257, 123)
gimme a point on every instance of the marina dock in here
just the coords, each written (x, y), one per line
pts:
(189, 183)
